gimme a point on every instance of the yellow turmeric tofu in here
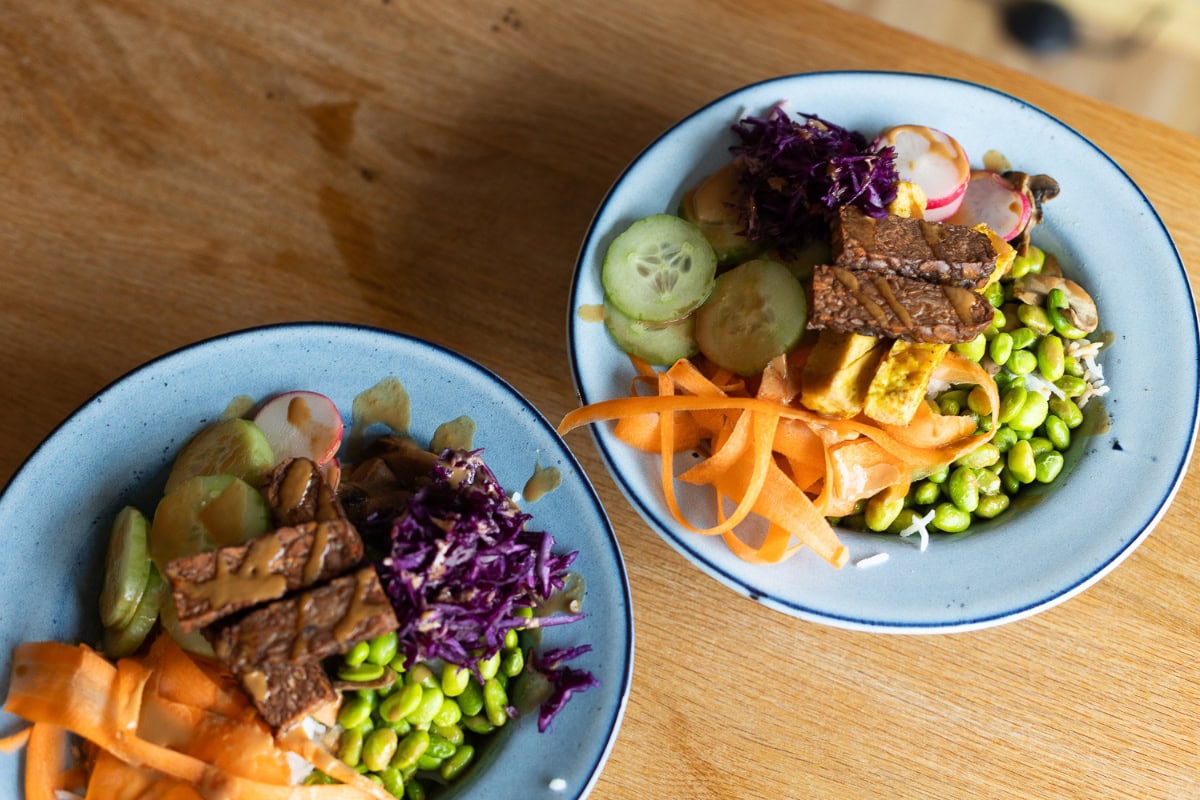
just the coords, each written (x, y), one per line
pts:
(900, 382)
(1005, 254)
(839, 371)
(910, 201)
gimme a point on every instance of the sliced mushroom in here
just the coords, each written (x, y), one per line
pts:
(1081, 309)
(1039, 189)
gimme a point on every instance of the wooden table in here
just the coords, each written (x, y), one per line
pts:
(174, 169)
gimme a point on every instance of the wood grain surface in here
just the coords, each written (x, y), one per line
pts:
(175, 169)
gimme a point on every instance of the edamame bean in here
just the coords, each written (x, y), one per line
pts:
(988, 483)
(1058, 432)
(410, 749)
(985, 455)
(1048, 465)
(399, 705)
(926, 493)
(1056, 303)
(471, 699)
(428, 763)
(902, 520)
(1032, 259)
(973, 349)
(951, 403)
(939, 475)
(1010, 482)
(449, 714)
(1023, 338)
(1034, 317)
(455, 764)
(383, 649)
(489, 666)
(963, 489)
(1021, 362)
(1050, 357)
(1004, 438)
(454, 680)
(362, 673)
(354, 712)
(1071, 386)
(1000, 348)
(1073, 366)
(413, 790)
(513, 660)
(421, 674)
(439, 747)
(357, 654)
(881, 510)
(393, 781)
(431, 702)
(451, 733)
(495, 702)
(350, 745)
(1040, 444)
(379, 748)
(511, 639)
(979, 402)
(1020, 462)
(992, 505)
(950, 518)
(478, 723)
(994, 292)
(1011, 402)
(1067, 411)
(1032, 414)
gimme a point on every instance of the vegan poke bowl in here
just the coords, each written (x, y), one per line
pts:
(848, 340)
(365, 587)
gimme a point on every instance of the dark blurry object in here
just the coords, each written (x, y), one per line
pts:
(1040, 26)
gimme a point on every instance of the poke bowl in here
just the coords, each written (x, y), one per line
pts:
(62, 510)
(1134, 419)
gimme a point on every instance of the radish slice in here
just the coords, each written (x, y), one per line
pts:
(301, 425)
(991, 200)
(934, 161)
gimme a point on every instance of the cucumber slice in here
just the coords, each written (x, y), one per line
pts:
(230, 447)
(756, 311)
(126, 639)
(659, 269)
(126, 568)
(659, 343)
(204, 513)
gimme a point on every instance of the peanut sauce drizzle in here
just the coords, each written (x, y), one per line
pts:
(251, 582)
(360, 608)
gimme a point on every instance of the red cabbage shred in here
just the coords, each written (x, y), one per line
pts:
(462, 565)
(797, 171)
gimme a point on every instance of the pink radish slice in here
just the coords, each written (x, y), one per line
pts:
(301, 425)
(991, 200)
(933, 160)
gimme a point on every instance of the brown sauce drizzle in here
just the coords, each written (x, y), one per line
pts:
(458, 434)
(256, 684)
(591, 312)
(542, 482)
(360, 607)
(889, 297)
(252, 580)
(963, 301)
(386, 402)
(851, 283)
(316, 555)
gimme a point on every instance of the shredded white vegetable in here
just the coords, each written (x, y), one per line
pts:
(872, 560)
(920, 525)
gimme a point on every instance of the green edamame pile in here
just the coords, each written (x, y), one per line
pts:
(1028, 346)
(424, 728)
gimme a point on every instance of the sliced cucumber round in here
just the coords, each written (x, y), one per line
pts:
(661, 268)
(126, 568)
(756, 312)
(658, 343)
(124, 640)
(204, 513)
(232, 446)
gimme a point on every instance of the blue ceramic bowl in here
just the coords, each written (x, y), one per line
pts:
(56, 513)
(1117, 483)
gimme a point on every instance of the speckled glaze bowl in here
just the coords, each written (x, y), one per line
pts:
(1117, 482)
(56, 513)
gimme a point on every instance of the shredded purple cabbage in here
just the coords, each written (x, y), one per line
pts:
(799, 170)
(462, 565)
(564, 681)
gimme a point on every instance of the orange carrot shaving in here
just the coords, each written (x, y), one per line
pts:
(186, 749)
(768, 456)
(15, 741)
(45, 756)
